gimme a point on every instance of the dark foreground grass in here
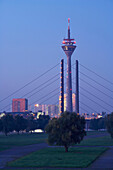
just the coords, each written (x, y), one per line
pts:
(3, 148)
(97, 141)
(90, 133)
(35, 169)
(56, 157)
(21, 140)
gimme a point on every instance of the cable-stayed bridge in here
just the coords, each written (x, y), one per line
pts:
(95, 91)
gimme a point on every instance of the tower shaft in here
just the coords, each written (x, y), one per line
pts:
(69, 86)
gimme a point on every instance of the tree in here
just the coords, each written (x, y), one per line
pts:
(43, 121)
(66, 130)
(20, 123)
(101, 123)
(8, 123)
(93, 124)
(96, 124)
(109, 124)
(1, 125)
(31, 124)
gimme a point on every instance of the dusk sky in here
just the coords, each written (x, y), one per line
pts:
(31, 34)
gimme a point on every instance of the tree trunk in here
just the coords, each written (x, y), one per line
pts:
(66, 148)
(5, 133)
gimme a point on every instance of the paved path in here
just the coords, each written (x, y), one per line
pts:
(18, 151)
(105, 161)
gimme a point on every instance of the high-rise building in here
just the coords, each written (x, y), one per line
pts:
(42, 107)
(19, 105)
(69, 47)
(51, 110)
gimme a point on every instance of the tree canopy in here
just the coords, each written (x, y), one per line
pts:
(66, 130)
(7, 123)
(31, 124)
(43, 121)
(109, 124)
(1, 125)
(96, 124)
(20, 123)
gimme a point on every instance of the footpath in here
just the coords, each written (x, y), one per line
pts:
(18, 151)
(104, 162)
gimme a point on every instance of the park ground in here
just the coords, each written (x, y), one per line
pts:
(30, 151)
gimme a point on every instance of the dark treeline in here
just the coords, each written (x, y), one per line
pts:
(109, 124)
(103, 123)
(10, 123)
(97, 124)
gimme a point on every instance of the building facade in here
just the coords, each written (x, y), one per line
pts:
(51, 110)
(19, 105)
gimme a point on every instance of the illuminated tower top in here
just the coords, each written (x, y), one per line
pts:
(68, 44)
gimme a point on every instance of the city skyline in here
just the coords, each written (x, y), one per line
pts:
(31, 34)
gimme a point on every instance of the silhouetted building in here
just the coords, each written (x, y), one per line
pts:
(19, 105)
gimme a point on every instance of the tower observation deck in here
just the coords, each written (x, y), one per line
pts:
(69, 47)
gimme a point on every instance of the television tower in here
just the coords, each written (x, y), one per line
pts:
(69, 47)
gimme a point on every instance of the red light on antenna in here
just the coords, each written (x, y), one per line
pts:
(68, 19)
(74, 42)
(63, 42)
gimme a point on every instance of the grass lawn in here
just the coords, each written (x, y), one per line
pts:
(21, 140)
(3, 148)
(35, 169)
(97, 141)
(56, 157)
(90, 133)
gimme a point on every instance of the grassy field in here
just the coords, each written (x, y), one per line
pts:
(4, 148)
(56, 157)
(97, 141)
(28, 139)
(35, 169)
(21, 140)
(90, 133)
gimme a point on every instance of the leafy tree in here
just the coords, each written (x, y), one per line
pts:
(8, 123)
(43, 121)
(109, 124)
(93, 124)
(1, 125)
(101, 123)
(96, 124)
(31, 124)
(20, 123)
(66, 130)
